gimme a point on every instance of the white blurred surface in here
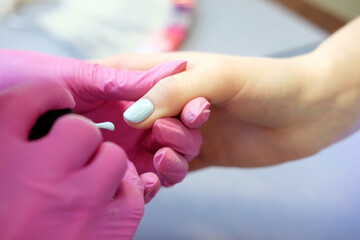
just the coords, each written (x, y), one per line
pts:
(94, 32)
(239, 27)
(92, 28)
(315, 198)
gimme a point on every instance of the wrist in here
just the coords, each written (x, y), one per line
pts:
(312, 75)
(336, 81)
(331, 94)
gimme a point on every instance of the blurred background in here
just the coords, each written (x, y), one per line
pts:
(93, 29)
(328, 14)
(313, 198)
(345, 9)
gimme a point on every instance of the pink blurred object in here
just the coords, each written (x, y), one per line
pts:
(170, 37)
(103, 94)
(68, 184)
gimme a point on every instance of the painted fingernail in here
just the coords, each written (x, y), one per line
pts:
(139, 111)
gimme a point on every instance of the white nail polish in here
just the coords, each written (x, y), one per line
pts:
(139, 111)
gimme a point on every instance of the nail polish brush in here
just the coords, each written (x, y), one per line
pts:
(45, 122)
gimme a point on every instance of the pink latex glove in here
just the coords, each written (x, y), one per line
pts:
(90, 84)
(164, 150)
(68, 184)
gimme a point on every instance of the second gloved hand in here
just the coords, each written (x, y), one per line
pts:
(68, 184)
(165, 149)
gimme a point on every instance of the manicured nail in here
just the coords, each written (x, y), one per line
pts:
(139, 111)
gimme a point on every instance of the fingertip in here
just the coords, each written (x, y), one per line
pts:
(152, 185)
(175, 66)
(145, 124)
(165, 99)
(143, 115)
(138, 111)
(196, 112)
(63, 100)
(171, 166)
(131, 173)
(172, 133)
(132, 181)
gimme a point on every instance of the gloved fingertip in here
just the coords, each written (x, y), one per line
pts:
(160, 128)
(171, 132)
(70, 101)
(171, 68)
(196, 112)
(198, 120)
(131, 169)
(131, 175)
(171, 166)
(152, 185)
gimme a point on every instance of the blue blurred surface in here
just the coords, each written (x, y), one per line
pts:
(313, 198)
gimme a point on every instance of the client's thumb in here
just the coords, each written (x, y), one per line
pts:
(166, 99)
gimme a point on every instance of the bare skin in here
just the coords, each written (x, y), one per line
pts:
(264, 111)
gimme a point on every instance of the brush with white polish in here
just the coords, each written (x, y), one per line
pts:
(45, 122)
(105, 125)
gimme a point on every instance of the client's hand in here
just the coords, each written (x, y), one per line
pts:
(264, 111)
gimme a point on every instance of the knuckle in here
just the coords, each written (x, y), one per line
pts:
(91, 71)
(221, 67)
(168, 87)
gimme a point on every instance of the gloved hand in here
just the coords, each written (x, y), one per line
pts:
(167, 148)
(90, 84)
(66, 185)
(93, 86)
